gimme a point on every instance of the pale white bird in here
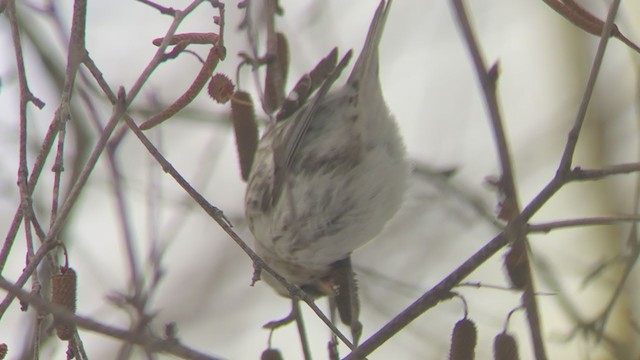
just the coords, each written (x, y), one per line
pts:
(326, 180)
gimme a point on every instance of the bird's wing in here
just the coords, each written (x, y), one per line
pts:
(285, 151)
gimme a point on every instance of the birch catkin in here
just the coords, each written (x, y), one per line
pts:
(63, 287)
(505, 347)
(463, 340)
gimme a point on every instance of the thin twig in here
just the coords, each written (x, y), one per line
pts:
(580, 174)
(23, 169)
(158, 57)
(302, 332)
(628, 267)
(574, 133)
(215, 55)
(36, 170)
(58, 165)
(163, 10)
(515, 230)
(75, 55)
(135, 279)
(588, 221)
(78, 347)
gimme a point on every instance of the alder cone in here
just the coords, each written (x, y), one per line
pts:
(220, 88)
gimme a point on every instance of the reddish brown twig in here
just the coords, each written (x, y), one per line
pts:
(586, 21)
(189, 38)
(163, 10)
(215, 55)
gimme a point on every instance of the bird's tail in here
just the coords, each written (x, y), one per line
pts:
(367, 64)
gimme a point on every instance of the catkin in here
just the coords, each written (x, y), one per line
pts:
(276, 75)
(3, 350)
(517, 266)
(463, 340)
(271, 354)
(505, 347)
(63, 293)
(246, 130)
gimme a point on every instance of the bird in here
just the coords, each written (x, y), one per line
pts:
(326, 179)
